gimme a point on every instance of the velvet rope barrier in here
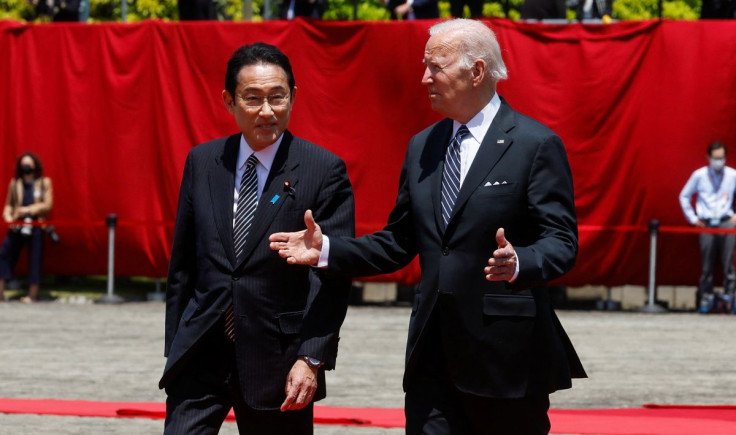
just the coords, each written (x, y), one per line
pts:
(670, 229)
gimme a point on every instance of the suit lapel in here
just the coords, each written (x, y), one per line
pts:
(494, 145)
(222, 188)
(439, 144)
(274, 195)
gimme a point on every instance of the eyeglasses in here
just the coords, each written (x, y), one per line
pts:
(275, 101)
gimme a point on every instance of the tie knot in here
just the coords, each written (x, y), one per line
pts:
(462, 132)
(252, 161)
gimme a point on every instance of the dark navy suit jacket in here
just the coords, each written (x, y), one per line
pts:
(281, 311)
(500, 340)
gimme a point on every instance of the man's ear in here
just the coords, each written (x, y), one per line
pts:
(228, 100)
(479, 71)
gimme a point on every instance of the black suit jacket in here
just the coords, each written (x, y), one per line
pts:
(281, 311)
(500, 340)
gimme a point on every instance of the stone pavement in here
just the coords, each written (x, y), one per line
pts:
(114, 353)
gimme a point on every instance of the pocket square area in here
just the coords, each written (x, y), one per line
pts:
(495, 183)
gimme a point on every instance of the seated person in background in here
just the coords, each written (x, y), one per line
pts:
(714, 186)
(29, 199)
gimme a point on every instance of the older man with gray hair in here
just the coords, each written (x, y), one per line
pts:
(486, 201)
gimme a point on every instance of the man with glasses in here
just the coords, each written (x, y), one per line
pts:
(243, 329)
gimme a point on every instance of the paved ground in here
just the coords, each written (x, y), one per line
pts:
(114, 353)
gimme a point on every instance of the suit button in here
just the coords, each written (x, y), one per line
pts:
(445, 250)
(235, 278)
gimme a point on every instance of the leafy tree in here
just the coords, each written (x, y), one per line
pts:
(16, 10)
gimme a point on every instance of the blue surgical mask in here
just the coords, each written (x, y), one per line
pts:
(717, 164)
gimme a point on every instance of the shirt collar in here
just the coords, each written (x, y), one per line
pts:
(265, 156)
(481, 122)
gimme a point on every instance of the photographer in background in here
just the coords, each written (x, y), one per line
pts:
(29, 200)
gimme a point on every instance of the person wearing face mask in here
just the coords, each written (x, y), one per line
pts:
(29, 200)
(714, 186)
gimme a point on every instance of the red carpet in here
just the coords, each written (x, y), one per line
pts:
(651, 419)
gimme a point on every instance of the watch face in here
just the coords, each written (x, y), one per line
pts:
(312, 362)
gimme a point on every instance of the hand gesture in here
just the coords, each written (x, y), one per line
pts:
(502, 266)
(301, 247)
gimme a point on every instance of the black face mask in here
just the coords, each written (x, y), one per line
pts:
(26, 169)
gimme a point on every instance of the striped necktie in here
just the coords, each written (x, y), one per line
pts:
(247, 203)
(451, 174)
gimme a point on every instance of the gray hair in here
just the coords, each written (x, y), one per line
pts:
(477, 41)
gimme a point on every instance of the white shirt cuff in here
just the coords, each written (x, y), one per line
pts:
(325, 254)
(516, 273)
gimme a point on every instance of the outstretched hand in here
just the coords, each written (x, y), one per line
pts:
(502, 266)
(301, 247)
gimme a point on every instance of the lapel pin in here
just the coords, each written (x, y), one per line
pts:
(499, 141)
(274, 199)
(288, 188)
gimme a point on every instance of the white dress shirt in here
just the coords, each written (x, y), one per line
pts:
(715, 195)
(265, 160)
(469, 146)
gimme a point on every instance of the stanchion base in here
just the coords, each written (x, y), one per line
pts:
(653, 309)
(156, 296)
(607, 305)
(109, 299)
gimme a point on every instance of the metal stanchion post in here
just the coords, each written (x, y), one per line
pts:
(651, 306)
(110, 298)
(158, 295)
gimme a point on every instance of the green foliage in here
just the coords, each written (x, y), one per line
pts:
(646, 9)
(104, 10)
(145, 9)
(232, 9)
(493, 10)
(680, 10)
(373, 10)
(444, 7)
(16, 10)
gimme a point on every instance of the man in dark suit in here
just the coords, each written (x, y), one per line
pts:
(486, 201)
(243, 329)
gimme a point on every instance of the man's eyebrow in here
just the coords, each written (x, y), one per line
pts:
(256, 89)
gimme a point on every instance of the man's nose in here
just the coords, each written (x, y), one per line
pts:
(266, 109)
(427, 77)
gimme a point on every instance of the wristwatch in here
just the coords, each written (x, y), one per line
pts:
(312, 362)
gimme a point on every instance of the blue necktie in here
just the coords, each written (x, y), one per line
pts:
(247, 204)
(451, 174)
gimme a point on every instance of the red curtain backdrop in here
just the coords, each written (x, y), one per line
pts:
(113, 109)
